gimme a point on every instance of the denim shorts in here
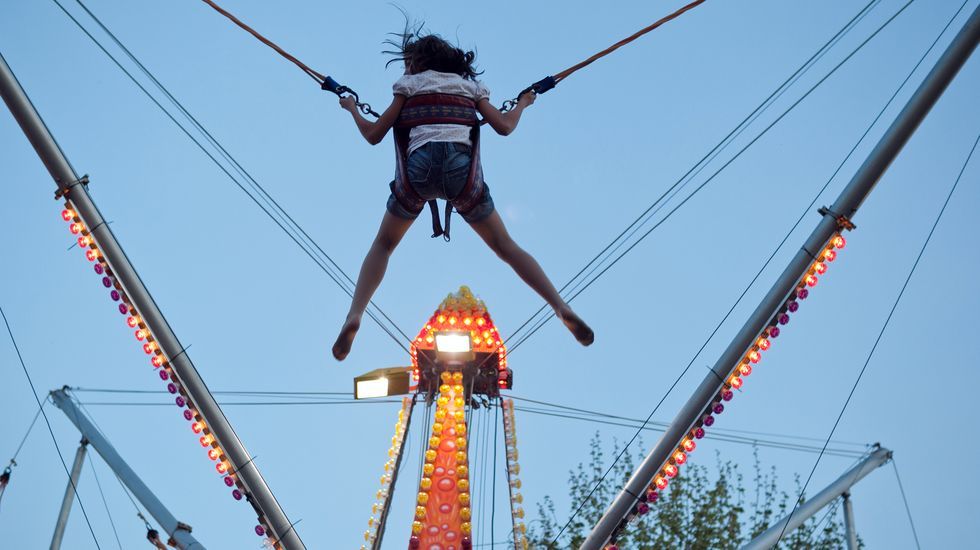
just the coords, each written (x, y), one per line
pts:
(439, 170)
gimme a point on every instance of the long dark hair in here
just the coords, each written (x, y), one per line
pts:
(423, 51)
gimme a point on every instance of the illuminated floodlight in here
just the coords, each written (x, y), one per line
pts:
(382, 383)
(454, 346)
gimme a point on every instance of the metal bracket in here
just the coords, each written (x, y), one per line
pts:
(842, 221)
(181, 526)
(64, 191)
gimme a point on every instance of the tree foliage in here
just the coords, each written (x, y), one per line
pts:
(700, 510)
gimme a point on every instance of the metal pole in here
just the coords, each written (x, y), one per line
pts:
(254, 486)
(846, 206)
(841, 486)
(76, 473)
(386, 507)
(849, 531)
(178, 531)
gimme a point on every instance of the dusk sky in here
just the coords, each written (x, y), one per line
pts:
(587, 158)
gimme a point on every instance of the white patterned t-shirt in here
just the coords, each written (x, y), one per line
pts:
(434, 82)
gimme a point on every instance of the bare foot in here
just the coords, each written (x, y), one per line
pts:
(577, 326)
(346, 338)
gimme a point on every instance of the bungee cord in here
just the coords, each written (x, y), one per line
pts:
(329, 84)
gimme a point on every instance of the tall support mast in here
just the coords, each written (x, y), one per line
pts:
(76, 474)
(849, 531)
(175, 361)
(835, 218)
(180, 533)
(840, 487)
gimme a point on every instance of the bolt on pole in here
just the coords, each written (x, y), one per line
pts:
(846, 205)
(258, 492)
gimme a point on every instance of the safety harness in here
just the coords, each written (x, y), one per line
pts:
(437, 109)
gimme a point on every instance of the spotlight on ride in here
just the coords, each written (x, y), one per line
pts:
(382, 383)
(452, 347)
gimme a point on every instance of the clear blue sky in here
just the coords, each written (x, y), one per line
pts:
(586, 159)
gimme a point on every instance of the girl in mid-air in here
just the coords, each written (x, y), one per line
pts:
(434, 114)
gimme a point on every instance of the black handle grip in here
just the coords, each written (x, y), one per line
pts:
(331, 85)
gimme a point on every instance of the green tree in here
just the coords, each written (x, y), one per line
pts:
(701, 510)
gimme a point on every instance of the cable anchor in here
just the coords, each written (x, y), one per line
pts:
(843, 221)
(64, 191)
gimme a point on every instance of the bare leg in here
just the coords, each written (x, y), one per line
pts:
(493, 232)
(372, 272)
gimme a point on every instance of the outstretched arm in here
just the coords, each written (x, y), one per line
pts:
(505, 123)
(375, 131)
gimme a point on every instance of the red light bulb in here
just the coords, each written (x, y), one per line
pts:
(197, 427)
(132, 322)
(745, 370)
(67, 215)
(222, 467)
(157, 361)
(839, 241)
(84, 242)
(670, 470)
(91, 255)
(206, 440)
(829, 255)
(689, 445)
(763, 343)
(661, 482)
(754, 356)
(680, 457)
(141, 334)
(75, 228)
(810, 280)
(214, 454)
(820, 268)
